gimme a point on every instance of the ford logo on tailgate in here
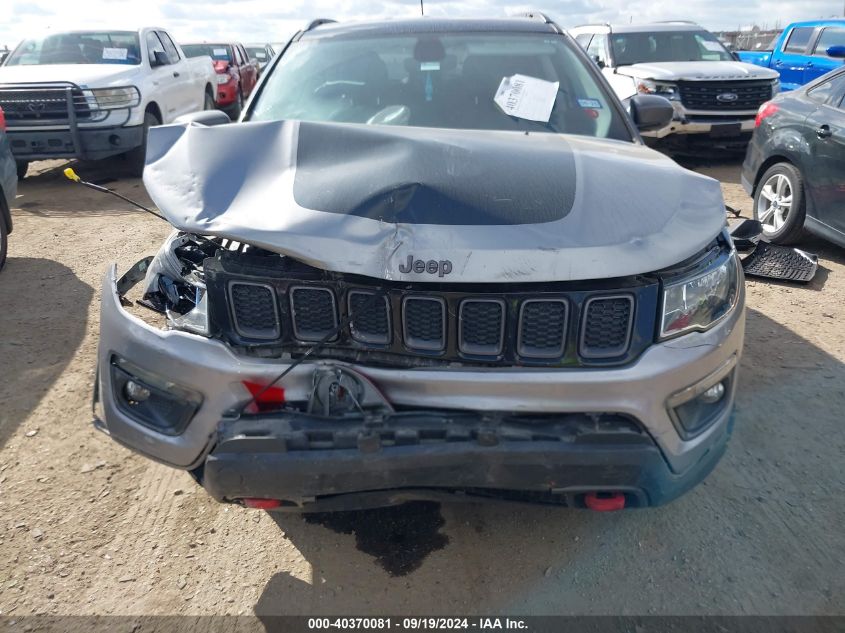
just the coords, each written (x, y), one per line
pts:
(727, 97)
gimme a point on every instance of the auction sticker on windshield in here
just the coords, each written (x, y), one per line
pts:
(527, 97)
(115, 53)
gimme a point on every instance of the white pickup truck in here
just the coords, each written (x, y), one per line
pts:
(94, 94)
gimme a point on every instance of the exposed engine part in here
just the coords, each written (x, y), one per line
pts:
(340, 391)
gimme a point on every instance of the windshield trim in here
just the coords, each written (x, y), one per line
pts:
(595, 73)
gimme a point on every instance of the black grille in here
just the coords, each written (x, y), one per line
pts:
(313, 312)
(370, 317)
(481, 326)
(43, 104)
(606, 331)
(254, 310)
(425, 323)
(715, 95)
(542, 329)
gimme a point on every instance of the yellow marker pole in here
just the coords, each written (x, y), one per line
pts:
(71, 175)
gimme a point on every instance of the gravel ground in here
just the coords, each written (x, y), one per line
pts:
(86, 527)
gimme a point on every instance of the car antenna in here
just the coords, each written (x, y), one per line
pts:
(71, 175)
(422, 8)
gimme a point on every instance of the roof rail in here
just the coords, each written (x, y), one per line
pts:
(318, 22)
(539, 15)
(677, 22)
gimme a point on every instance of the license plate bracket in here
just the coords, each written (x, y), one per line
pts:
(725, 130)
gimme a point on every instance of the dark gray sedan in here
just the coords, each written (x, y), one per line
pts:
(795, 164)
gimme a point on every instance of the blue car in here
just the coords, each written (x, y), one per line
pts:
(8, 189)
(803, 52)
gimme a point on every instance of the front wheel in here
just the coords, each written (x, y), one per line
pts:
(209, 102)
(137, 157)
(779, 204)
(235, 108)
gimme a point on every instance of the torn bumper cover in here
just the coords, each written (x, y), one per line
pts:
(565, 430)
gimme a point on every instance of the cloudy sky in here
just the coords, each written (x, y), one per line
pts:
(274, 20)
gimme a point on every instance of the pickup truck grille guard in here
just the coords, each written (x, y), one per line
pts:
(268, 311)
(705, 95)
(64, 105)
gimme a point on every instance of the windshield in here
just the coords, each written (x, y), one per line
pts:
(258, 52)
(667, 46)
(79, 47)
(217, 52)
(443, 80)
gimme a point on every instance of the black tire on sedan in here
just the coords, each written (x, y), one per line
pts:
(779, 204)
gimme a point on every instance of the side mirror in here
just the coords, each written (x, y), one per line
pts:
(597, 61)
(836, 51)
(160, 58)
(208, 118)
(735, 55)
(650, 112)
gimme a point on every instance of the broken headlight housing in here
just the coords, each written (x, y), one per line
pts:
(697, 303)
(660, 88)
(175, 282)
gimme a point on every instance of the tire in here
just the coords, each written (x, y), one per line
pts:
(23, 166)
(235, 109)
(779, 204)
(137, 156)
(4, 240)
(209, 104)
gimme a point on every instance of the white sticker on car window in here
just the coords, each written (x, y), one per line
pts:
(220, 51)
(527, 97)
(713, 47)
(115, 53)
(429, 66)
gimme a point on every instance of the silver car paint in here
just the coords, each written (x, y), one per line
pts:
(211, 368)
(635, 210)
(697, 71)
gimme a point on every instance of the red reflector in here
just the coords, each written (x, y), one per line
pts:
(262, 504)
(267, 400)
(607, 502)
(2, 120)
(766, 110)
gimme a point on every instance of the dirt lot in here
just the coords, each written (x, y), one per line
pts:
(86, 527)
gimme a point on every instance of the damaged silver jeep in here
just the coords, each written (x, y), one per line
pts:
(433, 259)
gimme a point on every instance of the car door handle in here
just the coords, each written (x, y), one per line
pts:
(809, 64)
(778, 63)
(824, 131)
(175, 73)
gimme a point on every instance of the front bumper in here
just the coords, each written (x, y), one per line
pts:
(639, 391)
(718, 126)
(227, 93)
(86, 143)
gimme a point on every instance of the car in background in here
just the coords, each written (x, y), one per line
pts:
(802, 52)
(263, 53)
(8, 188)
(237, 73)
(95, 94)
(715, 97)
(795, 164)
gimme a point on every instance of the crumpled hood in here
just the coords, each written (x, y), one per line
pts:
(497, 206)
(701, 71)
(83, 75)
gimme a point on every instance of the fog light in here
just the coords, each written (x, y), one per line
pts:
(136, 392)
(714, 394)
(151, 399)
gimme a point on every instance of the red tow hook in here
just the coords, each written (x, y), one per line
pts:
(262, 504)
(604, 501)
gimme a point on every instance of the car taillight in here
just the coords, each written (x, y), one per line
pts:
(766, 110)
(2, 120)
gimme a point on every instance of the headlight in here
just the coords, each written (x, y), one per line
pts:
(116, 98)
(661, 88)
(700, 302)
(223, 78)
(775, 86)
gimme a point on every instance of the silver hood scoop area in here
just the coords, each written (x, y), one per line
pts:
(421, 204)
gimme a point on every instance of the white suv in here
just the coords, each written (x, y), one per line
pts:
(715, 96)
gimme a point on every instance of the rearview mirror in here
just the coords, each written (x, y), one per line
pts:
(836, 51)
(650, 112)
(160, 58)
(205, 117)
